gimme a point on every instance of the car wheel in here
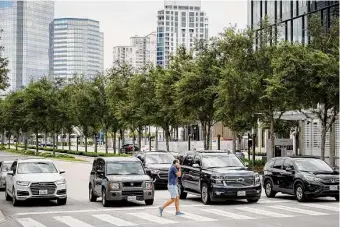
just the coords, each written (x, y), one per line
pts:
(270, 193)
(61, 202)
(252, 200)
(149, 202)
(300, 193)
(7, 196)
(181, 193)
(92, 197)
(104, 201)
(205, 195)
(337, 198)
(14, 199)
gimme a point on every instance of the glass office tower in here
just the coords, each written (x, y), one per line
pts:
(25, 39)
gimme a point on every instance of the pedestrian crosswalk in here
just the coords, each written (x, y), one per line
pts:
(192, 214)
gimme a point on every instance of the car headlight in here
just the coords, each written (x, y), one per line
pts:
(59, 182)
(155, 171)
(218, 179)
(312, 178)
(257, 179)
(23, 183)
(148, 185)
(114, 186)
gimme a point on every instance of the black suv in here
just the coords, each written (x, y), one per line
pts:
(217, 176)
(303, 177)
(157, 164)
(120, 178)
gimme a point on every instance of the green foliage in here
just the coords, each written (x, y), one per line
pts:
(3, 69)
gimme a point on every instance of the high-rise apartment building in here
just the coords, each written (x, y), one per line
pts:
(25, 39)
(77, 47)
(140, 52)
(179, 23)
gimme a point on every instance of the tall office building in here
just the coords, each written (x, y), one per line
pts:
(25, 39)
(140, 52)
(77, 47)
(291, 17)
(179, 23)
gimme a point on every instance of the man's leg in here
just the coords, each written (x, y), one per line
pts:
(177, 204)
(168, 203)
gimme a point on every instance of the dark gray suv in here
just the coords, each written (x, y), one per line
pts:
(120, 178)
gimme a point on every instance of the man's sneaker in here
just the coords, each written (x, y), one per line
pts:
(160, 211)
(179, 213)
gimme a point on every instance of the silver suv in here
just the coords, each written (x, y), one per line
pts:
(120, 178)
(35, 179)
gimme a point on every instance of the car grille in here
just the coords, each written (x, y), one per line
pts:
(49, 186)
(163, 175)
(132, 184)
(132, 193)
(331, 181)
(239, 181)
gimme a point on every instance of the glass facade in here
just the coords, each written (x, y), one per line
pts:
(25, 38)
(291, 16)
(76, 47)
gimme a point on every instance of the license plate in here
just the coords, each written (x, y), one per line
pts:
(333, 187)
(42, 192)
(131, 198)
(241, 193)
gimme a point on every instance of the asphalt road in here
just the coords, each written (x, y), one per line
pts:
(281, 211)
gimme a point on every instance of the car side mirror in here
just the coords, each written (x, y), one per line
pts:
(336, 168)
(100, 172)
(10, 172)
(61, 171)
(195, 165)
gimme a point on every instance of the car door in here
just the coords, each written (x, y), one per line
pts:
(93, 175)
(186, 167)
(195, 173)
(288, 176)
(100, 172)
(277, 173)
(10, 178)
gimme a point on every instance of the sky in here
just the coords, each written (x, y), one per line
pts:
(119, 20)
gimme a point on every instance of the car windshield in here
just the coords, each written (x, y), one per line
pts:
(312, 165)
(159, 158)
(36, 167)
(124, 168)
(220, 160)
(5, 167)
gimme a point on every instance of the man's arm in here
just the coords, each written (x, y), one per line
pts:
(178, 172)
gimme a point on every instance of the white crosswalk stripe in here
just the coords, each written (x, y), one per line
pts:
(153, 218)
(194, 217)
(113, 220)
(72, 222)
(321, 206)
(297, 210)
(227, 214)
(29, 222)
(264, 212)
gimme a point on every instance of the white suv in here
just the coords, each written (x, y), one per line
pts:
(35, 179)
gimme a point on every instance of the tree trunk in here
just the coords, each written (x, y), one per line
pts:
(45, 139)
(25, 141)
(272, 137)
(53, 143)
(204, 126)
(36, 142)
(209, 136)
(156, 139)
(9, 140)
(106, 145)
(323, 141)
(85, 144)
(69, 141)
(332, 146)
(121, 132)
(140, 131)
(133, 142)
(95, 144)
(57, 139)
(149, 135)
(16, 141)
(234, 142)
(114, 142)
(167, 135)
(3, 137)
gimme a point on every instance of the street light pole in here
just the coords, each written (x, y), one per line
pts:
(253, 143)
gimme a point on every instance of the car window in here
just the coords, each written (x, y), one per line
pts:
(188, 159)
(5, 167)
(14, 167)
(159, 158)
(269, 165)
(36, 167)
(197, 160)
(124, 168)
(101, 165)
(278, 163)
(94, 165)
(288, 163)
(312, 165)
(220, 160)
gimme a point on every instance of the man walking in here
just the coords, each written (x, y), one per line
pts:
(174, 173)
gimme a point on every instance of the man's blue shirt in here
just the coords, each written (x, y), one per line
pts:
(172, 175)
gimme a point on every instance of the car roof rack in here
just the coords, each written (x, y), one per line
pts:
(304, 156)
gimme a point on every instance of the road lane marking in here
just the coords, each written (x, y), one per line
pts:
(72, 222)
(96, 210)
(29, 222)
(113, 220)
(264, 212)
(320, 206)
(194, 217)
(153, 218)
(226, 214)
(266, 201)
(297, 210)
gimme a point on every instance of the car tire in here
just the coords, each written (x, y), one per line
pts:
(14, 199)
(149, 202)
(268, 188)
(104, 200)
(7, 196)
(252, 200)
(337, 198)
(181, 193)
(300, 193)
(205, 195)
(61, 202)
(92, 196)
